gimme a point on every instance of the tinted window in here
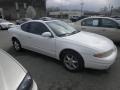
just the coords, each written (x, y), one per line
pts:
(25, 27)
(38, 28)
(90, 22)
(108, 23)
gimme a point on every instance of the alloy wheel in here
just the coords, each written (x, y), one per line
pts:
(16, 45)
(71, 62)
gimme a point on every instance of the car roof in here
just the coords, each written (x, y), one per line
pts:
(43, 21)
(99, 18)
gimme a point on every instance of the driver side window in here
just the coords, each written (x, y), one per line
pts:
(38, 28)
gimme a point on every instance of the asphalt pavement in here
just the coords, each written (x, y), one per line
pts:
(49, 73)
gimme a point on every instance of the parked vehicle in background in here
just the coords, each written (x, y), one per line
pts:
(57, 39)
(77, 18)
(116, 17)
(74, 18)
(13, 76)
(18, 22)
(45, 18)
(4, 24)
(105, 26)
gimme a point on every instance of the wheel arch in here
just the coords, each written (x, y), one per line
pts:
(65, 50)
(14, 38)
(61, 55)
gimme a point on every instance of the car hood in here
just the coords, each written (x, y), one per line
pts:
(11, 72)
(91, 40)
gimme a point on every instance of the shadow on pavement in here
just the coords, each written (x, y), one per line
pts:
(25, 52)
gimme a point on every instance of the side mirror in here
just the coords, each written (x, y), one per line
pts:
(46, 34)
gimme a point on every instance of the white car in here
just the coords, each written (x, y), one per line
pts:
(4, 24)
(105, 26)
(54, 38)
(13, 76)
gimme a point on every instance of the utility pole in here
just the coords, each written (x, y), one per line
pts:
(82, 6)
(61, 11)
(111, 11)
(110, 7)
(17, 10)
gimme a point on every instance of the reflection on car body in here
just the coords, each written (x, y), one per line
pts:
(54, 38)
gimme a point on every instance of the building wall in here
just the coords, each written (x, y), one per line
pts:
(10, 10)
(65, 14)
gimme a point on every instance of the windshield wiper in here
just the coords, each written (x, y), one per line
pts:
(74, 32)
(66, 34)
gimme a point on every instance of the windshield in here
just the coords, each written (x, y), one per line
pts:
(61, 28)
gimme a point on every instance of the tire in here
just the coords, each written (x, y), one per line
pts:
(16, 45)
(73, 61)
(0, 27)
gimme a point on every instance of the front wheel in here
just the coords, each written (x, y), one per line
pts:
(73, 61)
(0, 27)
(16, 45)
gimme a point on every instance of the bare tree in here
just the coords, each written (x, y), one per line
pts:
(110, 7)
(30, 13)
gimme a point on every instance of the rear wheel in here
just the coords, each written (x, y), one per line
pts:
(16, 45)
(72, 61)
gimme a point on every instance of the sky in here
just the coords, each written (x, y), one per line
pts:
(92, 5)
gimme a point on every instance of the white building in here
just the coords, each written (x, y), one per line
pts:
(65, 14)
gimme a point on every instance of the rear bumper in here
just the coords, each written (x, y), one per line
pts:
(101, 63)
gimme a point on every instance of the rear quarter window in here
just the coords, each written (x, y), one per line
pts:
(25, 27)
(107, 23)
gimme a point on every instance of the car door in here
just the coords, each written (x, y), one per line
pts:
(24, 35)
(110, 29)
(37, 42)
(91, 25)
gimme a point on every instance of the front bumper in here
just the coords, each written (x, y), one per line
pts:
(100, 63)
(34, 87)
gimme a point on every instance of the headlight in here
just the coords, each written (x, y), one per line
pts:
(26, 84)
(104, 54)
